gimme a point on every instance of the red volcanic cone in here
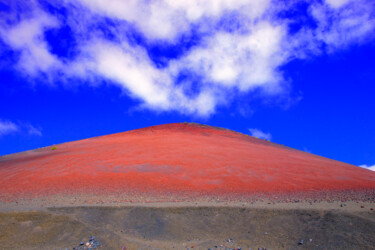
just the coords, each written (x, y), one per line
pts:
(175, 159)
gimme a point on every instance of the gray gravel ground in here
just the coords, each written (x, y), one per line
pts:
(197, 227)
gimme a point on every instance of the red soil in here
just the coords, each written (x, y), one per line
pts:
(172, 159)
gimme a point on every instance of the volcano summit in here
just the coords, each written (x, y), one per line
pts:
(175, 162)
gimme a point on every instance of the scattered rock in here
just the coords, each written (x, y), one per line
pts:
(90, 244)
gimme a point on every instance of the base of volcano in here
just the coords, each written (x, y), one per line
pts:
(322, 225)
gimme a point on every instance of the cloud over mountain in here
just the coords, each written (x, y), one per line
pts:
(185, 56)
(372, 168)
(260, 134)
(7, 127)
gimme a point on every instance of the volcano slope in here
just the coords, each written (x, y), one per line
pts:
(169, 185)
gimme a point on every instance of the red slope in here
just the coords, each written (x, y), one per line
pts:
(176, 158)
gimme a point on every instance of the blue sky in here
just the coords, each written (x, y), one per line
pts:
(300, 73)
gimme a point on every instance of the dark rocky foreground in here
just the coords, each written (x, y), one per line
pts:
(187, 227)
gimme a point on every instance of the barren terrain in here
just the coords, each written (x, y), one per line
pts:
(183, 186)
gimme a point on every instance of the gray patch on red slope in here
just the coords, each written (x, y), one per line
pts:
(146, 168)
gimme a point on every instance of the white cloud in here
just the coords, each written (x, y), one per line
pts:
(7, 127)
(158, 19)
(132, 69)
(27, 37)
(372, 168)
(260, 134)
(31, 130)
(245, 53)
(339, 27)
(243, 61)
(337, 3)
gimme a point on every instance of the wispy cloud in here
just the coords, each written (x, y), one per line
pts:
(27, 38)
(225, 48)
(7, 127)
(260, 134)
(337, 3)
(372, 168)
(31, 130)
